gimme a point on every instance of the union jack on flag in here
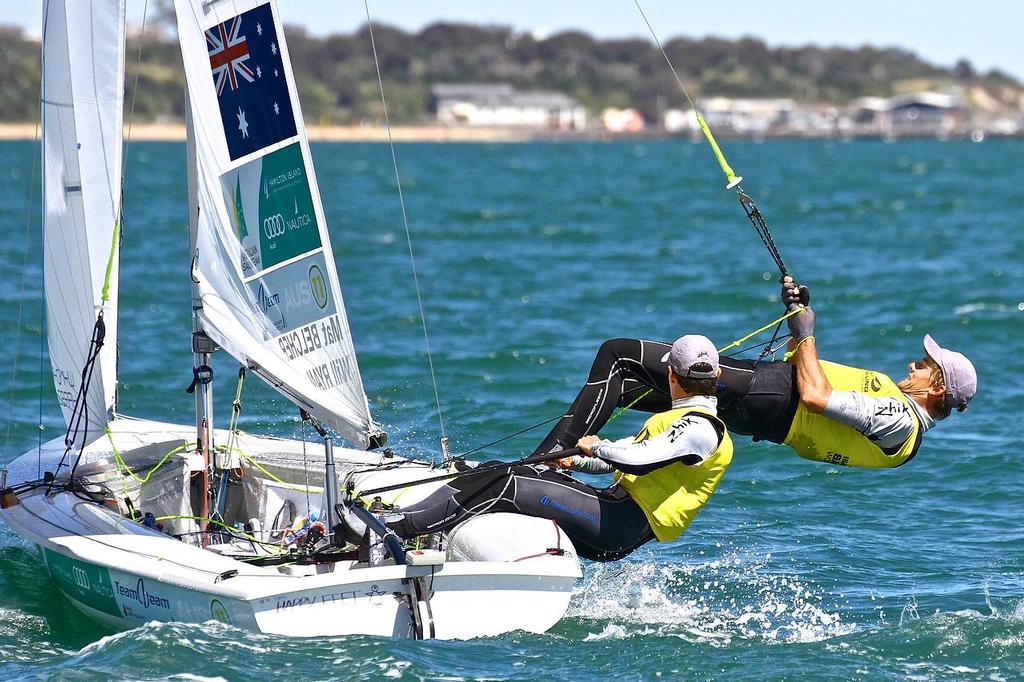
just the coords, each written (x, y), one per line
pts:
(228, 54)
(252, 80)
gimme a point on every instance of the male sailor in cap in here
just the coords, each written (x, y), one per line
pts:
(663, 476)
(825, 411)
(858, 417)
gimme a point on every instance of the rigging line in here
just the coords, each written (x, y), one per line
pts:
(21, 295)
(405, 218)
(43, 326)
(305, 463)
(733, 181)
(740, 351)
(511, 435)
(80, 410)
(131, 110)
(119, 209)
(42, 360)
(761, 227)
(665, 55)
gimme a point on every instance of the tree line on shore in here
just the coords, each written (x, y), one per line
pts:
(337, 79)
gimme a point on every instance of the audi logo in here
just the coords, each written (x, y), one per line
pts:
(274, 226)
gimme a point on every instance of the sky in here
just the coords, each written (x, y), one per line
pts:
(987, 32)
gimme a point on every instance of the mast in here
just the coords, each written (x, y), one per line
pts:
(202, 346)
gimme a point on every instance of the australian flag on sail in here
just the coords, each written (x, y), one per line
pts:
(252, 86)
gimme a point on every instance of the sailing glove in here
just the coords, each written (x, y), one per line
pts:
(794, 294)
(801, 325)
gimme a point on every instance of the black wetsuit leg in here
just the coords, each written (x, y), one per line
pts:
(604, 525)
(623, 370)
(754, 398)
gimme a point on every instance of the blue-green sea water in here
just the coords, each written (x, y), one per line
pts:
(529, 256)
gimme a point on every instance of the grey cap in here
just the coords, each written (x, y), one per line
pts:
(957, 372)
(693, 356)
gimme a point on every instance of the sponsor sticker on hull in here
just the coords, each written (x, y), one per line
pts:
(85, 583)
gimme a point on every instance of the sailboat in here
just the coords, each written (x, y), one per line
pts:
(139, 520)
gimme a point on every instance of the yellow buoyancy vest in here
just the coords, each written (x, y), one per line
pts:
(821, 438)
(672, 495)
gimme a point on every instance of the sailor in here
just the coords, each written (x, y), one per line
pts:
(825, 411)
(663, 476)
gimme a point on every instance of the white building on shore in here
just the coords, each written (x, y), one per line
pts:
(501, 105)
(915, 114)
(743, 116)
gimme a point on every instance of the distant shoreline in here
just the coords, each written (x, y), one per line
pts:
(175, 132)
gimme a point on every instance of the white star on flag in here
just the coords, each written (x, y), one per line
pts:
(277, 109)
(275, 73)
(242, 124)
(273, 48)
(259, 29)
(259, 72)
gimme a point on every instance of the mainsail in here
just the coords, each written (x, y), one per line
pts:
(82, 94)
(263, 265)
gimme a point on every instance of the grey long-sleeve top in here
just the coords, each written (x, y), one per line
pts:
(888, 422)
(690, 439)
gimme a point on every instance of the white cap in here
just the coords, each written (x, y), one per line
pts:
(693, 356)
(958, 373)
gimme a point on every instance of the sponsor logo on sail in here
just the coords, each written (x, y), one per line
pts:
(266, 300)
(274, 227)
(318, 286)
(270, 305)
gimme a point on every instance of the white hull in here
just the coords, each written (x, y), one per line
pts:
(123, 574)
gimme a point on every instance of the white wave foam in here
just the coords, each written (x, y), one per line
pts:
(611, 631)
(18, 629)
(103, 642)
(713, 602)
(968, 308)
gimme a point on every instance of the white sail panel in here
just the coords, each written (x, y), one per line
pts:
(264, 269)
(82, 93)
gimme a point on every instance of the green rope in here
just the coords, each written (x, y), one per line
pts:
(174, 517)
(236, 410)
(760, 329)
(236, 406)
(626, 407)
(105, 296)
(257, 465)
(123, 467)
(201, 520)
